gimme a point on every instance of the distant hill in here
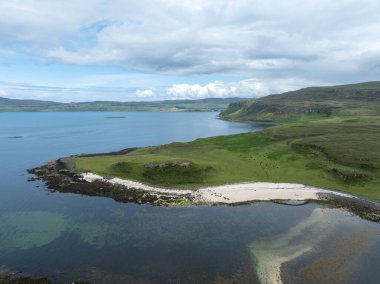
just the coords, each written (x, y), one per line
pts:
(4, 102)
(308, 103)
(208, 104)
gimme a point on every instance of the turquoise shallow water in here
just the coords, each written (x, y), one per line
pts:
(68, 237)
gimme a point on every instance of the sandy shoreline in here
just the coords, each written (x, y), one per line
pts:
(231, 193)
(60, 175)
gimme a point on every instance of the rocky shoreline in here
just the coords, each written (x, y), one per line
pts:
(60, 175)
(363, 208)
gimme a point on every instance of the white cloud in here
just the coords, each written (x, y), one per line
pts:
(145, 93)
(250, 88)
(196, 91)
(198, 37)
(281, 44)
(6, 52)
(65, 94)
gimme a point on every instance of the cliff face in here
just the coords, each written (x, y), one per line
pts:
(309, 103)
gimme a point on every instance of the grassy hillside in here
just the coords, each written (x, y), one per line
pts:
(211, 104)
(335, 145)
(310, 104)
(329, 154)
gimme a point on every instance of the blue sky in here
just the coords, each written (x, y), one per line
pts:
(87, 50)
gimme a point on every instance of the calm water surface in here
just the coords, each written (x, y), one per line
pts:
(69, 237)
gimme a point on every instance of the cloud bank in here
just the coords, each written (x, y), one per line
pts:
(268, 42)
(243, 89)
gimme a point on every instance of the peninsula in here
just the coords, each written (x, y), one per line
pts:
(325, 137)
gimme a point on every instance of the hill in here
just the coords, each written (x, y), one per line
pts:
(208, 104)
(327, 137)
(310, 103)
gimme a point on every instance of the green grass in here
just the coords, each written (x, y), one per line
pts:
(336, 153)
(330, 139)
(308, 104)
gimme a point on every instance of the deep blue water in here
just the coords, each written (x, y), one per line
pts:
(69, 237)
(47, 136)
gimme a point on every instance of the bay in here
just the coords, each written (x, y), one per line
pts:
(69, 237)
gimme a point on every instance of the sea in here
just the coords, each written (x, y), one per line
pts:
(70, 237)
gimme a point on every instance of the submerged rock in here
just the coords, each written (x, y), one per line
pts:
(11, 279)
(365, 209)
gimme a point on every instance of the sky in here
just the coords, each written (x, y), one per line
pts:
(127, 50)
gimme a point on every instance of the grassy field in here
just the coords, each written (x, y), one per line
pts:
(329, 137)
(336, 153)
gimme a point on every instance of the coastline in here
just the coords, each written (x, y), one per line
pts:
(227, 194)
(60, 175)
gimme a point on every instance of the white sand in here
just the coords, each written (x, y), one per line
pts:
(271, 253)
(243, 192)
(134, 184)
(232, 193)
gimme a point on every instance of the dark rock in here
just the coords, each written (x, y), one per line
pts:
(361, 207)
(34, 178)
(60, 176)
